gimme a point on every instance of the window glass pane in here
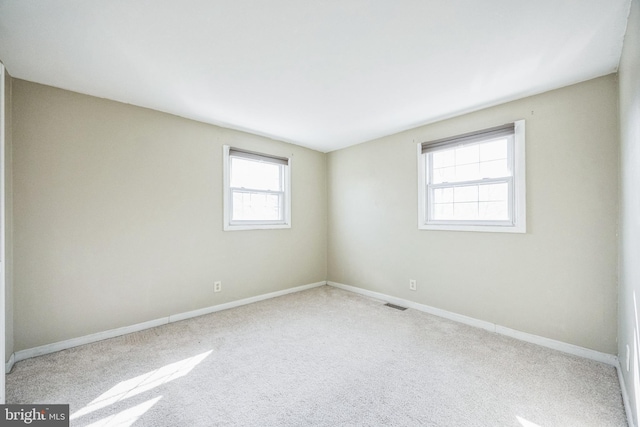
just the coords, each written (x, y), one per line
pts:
(494, 192)
(470, 172)
(468, 154)
(255, 175)
(494, 169)
(256, 206)
(494, 150)
(496, 211)
(443, 195)
(441, 175)
(465, 211)
(442, 211)
(444, 158)
(487, 202)
(471, 163)
(465, 194)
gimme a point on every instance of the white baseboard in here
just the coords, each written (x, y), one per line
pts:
(9, 365)
(238, 303)
(625, 396)
(112, 333)
(87, 339)
(564, 347)
(575, 350)
(523, 336)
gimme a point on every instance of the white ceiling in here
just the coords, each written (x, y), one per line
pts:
(321, 74)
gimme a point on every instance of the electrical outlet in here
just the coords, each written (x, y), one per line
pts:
(217, 286)
(412, 285)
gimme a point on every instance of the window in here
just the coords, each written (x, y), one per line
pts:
(474, 182)
(257, 190)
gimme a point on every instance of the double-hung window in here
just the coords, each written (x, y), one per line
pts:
(257, 193)
(474, 182)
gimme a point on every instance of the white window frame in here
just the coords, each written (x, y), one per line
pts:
(231, 225)
(517, 197)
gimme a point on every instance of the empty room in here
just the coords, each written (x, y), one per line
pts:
(342, 213)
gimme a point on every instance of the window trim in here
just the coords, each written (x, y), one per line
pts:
(228, 224)
(518, 189)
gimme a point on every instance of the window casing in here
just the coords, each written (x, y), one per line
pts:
(257, 190)
(474, 182)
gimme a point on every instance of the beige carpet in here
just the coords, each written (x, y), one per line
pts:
(324, 357)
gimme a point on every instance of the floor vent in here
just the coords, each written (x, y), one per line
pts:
(397, 307)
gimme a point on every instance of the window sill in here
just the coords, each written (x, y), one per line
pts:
(241, 227)
(476, 228)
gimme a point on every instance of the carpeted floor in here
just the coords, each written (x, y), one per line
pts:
(323, 357)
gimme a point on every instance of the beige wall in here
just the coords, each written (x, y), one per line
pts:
(558, 280)
(629, 279)
(118, 217)
(8, 222)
